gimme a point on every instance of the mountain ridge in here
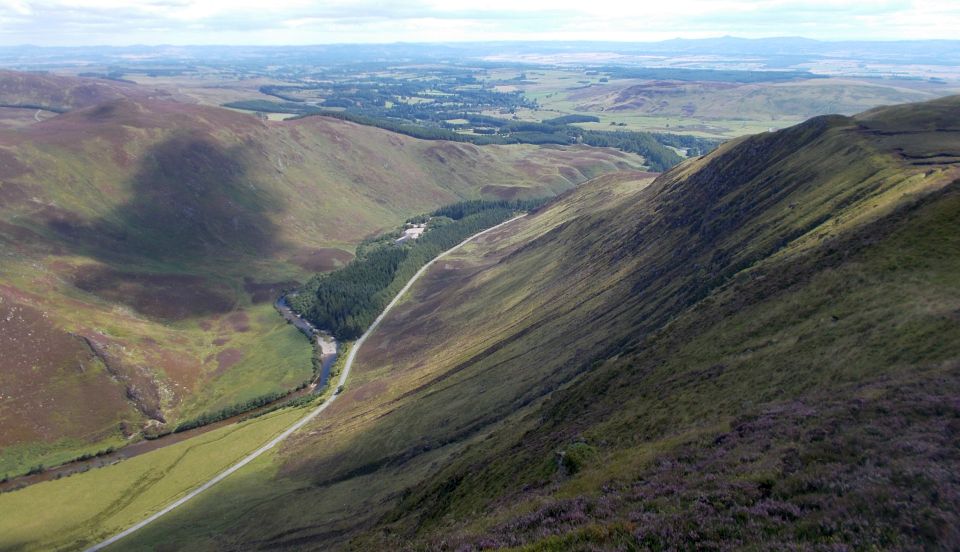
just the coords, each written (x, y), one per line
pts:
(625, 355)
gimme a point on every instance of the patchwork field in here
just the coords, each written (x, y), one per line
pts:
(712, 109)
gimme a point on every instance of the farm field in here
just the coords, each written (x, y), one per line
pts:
(80, 510)
(712, 109)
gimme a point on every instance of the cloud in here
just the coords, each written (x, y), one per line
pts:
(85, 22)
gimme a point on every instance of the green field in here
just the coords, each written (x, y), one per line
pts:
(709, 109)
(82, 509)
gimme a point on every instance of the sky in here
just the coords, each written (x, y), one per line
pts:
(294, 22)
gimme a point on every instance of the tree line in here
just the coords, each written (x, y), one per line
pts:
(654, 147)
(346, 301)
(457, 211)
(232, 410)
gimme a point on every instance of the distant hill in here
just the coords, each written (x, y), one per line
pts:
(143, 241)
(61, 94)
(665, 97)
(771, 53)
(759, 348)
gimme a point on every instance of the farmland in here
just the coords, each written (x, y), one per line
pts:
(480, 97)
(87, 507)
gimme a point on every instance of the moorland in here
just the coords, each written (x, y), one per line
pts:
(729, 314)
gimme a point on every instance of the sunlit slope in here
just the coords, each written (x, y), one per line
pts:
(148, 238)
(715, 355)
(730, 109)
(787, 370)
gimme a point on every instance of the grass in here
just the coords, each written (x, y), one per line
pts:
(870, 317)
(476, 427)
(79, 510)
(165, 296)
(277, 357)
(269, 116)
(705, 109)
(20, 459)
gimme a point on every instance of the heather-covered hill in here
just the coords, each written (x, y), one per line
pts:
(60, 94)
(758, 348)
(147, 239)
(784, 363)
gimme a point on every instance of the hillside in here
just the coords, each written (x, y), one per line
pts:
(60, 94)
(760, 346)
(144, 241)
(723, 100)
(721, 107)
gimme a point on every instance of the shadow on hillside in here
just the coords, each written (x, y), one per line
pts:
(193, 204)
(193, 199)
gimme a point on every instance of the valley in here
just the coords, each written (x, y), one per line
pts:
(532, 437)
(160, 290)
(480, 296)
(119, 497)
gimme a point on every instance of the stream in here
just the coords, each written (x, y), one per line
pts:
(328, 349)
(322, 340)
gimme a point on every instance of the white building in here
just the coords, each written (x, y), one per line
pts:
(413, 232)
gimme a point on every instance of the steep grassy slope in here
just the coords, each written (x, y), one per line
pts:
(147, 240)
(761, 346)
(793, 381)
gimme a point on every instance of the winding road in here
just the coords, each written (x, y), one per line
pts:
(302, 421)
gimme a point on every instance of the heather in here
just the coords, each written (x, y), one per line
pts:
(821, 473)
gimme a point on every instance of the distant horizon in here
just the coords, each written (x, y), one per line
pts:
(454, 42)
(79, 23)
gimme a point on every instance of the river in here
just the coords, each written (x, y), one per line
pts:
(328, 356)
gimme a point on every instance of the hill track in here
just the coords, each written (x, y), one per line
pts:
(302, 421)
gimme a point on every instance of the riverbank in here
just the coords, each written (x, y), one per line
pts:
(325, 345)
(344, 375)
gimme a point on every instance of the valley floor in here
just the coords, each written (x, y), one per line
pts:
(74, 535)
